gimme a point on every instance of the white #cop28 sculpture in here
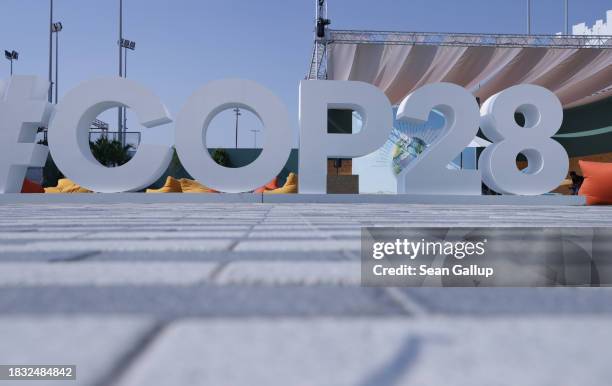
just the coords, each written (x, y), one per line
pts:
(23, 109)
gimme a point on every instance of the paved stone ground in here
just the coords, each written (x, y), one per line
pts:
(252, 294)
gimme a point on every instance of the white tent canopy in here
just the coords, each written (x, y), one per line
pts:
(578, 76)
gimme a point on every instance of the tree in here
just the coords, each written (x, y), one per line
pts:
(110, 153)
(51, 174)
(221, 157)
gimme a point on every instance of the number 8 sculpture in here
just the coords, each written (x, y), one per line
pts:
(547, 160)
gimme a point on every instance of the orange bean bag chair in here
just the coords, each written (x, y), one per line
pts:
(31, 187)
(272, 185)
(597, 185)
(172, 185)
(66, 185)
(290, 187)
(191, 186)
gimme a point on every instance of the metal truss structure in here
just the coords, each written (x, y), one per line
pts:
(318, 65)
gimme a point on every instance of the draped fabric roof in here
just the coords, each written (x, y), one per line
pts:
(578, 76)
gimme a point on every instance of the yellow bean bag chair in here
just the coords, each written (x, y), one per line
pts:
(172, 185)
(65, 185)
(191, 186)
(290, 187)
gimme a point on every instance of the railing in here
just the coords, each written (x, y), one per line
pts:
(468, 39)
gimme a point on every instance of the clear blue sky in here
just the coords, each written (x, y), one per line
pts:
(182, 44)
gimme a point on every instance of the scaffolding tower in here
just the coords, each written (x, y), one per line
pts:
(318, 64)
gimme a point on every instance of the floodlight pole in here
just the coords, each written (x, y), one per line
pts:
(255, 139)
(124, 109)
(528, 17)
(120, 110)
(56, 65)
(125, 45)
(50, 96)
(567, 26)
(56, 28)
(237, 111)
(317, 16)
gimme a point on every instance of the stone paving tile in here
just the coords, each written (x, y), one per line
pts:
(176, 245)
(220, 256)
(97, 346)
(291, 273)
(302, 234)
(104, 274)
(37, 235)
(273, 244)
(379, 352)
(86, 228)
(292, 227)
(37, 256)
(160, 235)
(170, 302)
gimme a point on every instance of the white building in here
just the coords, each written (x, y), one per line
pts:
(599, 28)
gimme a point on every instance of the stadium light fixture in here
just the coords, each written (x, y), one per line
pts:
(129, 44)
(56, 27)
(11, 55)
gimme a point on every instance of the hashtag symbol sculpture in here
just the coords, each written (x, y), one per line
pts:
(23, 109)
